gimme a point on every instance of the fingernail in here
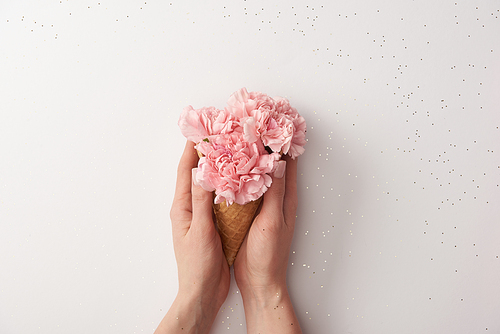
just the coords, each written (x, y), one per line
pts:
(280, 169)
(193, 176)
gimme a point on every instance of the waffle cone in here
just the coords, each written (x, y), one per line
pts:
(233, 223)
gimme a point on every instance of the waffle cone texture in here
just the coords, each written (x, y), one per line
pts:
(233, 223)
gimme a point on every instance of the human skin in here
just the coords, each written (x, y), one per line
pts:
(203, 272)
(261, 264)
(259, 268)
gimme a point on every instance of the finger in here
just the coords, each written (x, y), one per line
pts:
(273, 198)
(290, 199)
(202, 207)
(181, 206)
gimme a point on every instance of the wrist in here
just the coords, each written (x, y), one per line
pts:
(263, 296)
(270, 310)
(190, 313)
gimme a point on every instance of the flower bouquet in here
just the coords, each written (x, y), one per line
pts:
(239, 147)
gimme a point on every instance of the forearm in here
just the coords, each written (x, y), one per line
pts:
(270, 311)
(188, 315)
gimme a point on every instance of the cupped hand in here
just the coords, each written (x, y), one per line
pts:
(261, 264)
(263, 257)
(198, 250)
(203, 272)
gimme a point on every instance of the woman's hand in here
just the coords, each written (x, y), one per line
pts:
(261, 264)
(202, 268)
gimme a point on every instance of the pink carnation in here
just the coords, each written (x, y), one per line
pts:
(243, 104)
(235, 169)
(277, 124)
(299, 137)
(279, 133)
(253, 110)
(295, 146)
(197, 124)
(235, 143)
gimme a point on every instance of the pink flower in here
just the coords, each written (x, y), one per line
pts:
(274, 121)
(235, 169)
(262, 102)
(197, 124)
(283, 107)
(239, 104)
(253, 126)
(299, 138)
(235, 143)
(295, 146)
(253, 111)
(279, 133)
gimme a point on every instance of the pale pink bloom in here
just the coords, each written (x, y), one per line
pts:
(233, 141)
(251, 131)
(239, 104)
(299, 137)
(253, 111)
(274, 121)
(294, 134)
(235, 169)
(198, 124)
(262, 101)
(284, 131)
(253, 126)
(283, 106)
(278, 133)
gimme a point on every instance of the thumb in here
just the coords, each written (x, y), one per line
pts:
(202, 204)
(273, 198)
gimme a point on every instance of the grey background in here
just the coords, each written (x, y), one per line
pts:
(397, 229)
